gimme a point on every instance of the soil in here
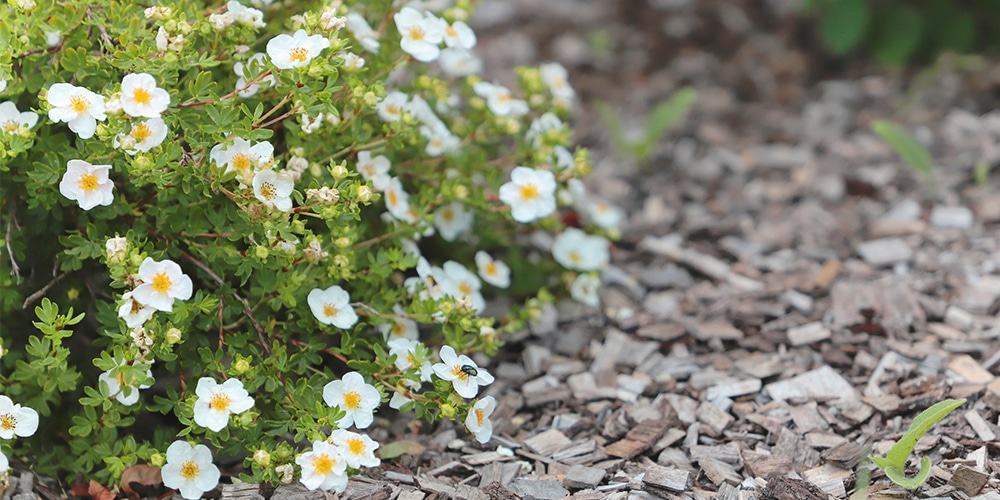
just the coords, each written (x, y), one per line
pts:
(787, 294)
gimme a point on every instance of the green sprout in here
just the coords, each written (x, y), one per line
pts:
(660, 120)
(894, 461)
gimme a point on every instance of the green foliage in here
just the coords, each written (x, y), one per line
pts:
(660, 120)
(906, 146)
(894, 461)
(253, 262)
(895, 32)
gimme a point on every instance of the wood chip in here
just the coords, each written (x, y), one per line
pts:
(846, 455)
(979, 424)
(663, 332)
(763, 464)
(733, 389)
(626, 448)
(667, 478)
(714, 419)
(829, 478)
(781, 487)
(807, 418)
(965, 366)
(823, 383)
(824, 278)
(719, 472)
(808, 334)
(580, 477)
(717, 330)
(969, 480)
(548, 442)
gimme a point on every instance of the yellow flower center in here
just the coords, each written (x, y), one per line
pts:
(7, 422)
(136, 307)
(504, 97)
(529, 192)
(575, 256)
(220, 402)
(298, 54)
(399, 329)
(87, 183)
(79, 104)
(240, 162)
(480, 416)
(190, 470)
(452, 32)
(491, 269)
(323, 464)
(393, 198)
(267, 191)
(10, 126)
(416, 34)
(448, 215)
(352, 400)
(392, 109)
(329, 310)
(141, 132)
(465, 288)
(356, 446)
(410, 359)
(162, 283)
(458, 372)
(141, 96)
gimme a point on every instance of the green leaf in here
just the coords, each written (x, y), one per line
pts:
(844, 24)
(666, 114)
(912, 152)
(894, 462)
(610, 119)
(898, 36)
(954, 30)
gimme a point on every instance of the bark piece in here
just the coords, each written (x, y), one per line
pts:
(808, 334)
(663, 332)
(717, 330)
(884, 251)
(807, 418)
(580, 477)
(824, 278)
(895, 306)
(965, 366)
(828, 478)
(548, 442)
(979, 424)
(823, 383)
(782, 487)
(648, 431)
(733, 389)
(667, 478)
(542, 489)
(846, 455)
(763, 464)
(626, 448)
(719, 472)
(715, 419)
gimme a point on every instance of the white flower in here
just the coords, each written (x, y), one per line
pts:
(478, 421)
(577, 250)
(499, 99)
(116, 248)
(162, 282)
(440, 140)
(564, 159)
(401, 327)
(274, 189)
(530, 194)
(164, 41)
(541, 125)
(4, 464)
(11, 119)
(358, 449)
(189, 469)
(134, 313)
(324, 467)
(16, 420)
(330, 21)
(555, 78)
(246, 16)
(584, 289)
(52, 38)
(374, 169)
(124, 391)
(431, 277)
(3, 85)
(405, 351)
(143, 136)
(158, 12)
(216, 402)
(397, 201)
(462, 372)
(494, 272)
(399, 399)
(359, 27)
(87, 184)
(221, 21)
(294, 51)
(77, 106)
(604, 214)
(332, 307)
(141, 96)
(241, 72)
(452, 220)
(390, 108)
(462, 284)
(460, 35)
(242, 157)
(422, 33)
(422, 111)
(456, 62)
(355, 397)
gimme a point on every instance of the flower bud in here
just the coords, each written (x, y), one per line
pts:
(370, 99)
(262, 458)
(157, 460)
(342, 242)
(364, 194)
(338, 171)
(461, 192)
(341, 260)
(287, 473)
(173, 336)
(261, 252)
(116, 248)
(447, 410)
(241, 366)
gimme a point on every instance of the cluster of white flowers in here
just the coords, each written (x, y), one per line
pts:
(15, 420)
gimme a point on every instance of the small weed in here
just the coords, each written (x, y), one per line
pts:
(894, 461)
(660, 120)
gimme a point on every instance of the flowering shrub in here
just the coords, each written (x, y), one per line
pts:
(304, 232)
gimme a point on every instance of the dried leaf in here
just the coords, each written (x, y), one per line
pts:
(397, 448)
(139, 475)
(98, 491)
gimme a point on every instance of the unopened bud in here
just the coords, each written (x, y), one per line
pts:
(364, 194)
(262, 458)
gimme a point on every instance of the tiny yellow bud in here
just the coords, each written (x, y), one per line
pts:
(342, 242)
(241, 366)
(364, 194)
(262, 252)
(157, 460)
(73, 293)
(173, 336)
(447, 410)
(461, 192)
(341, 260)
(142, 161)
(370, 99)
(338, 171)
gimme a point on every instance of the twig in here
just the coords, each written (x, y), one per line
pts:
(39, 294)
(246, 304)
(227, 96)
(11, 222)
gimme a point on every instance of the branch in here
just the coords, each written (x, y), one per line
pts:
(11, 222)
